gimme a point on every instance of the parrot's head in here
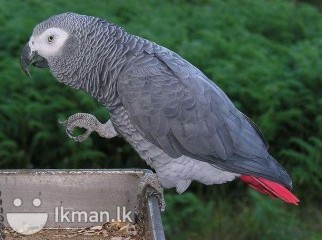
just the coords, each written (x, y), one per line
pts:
(63, 43)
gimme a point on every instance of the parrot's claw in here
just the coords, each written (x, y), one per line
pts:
(79, 138)
(90, 123)
(81, 120)
(148, 186)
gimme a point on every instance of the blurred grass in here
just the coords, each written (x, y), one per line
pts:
(266, 55)
(257, 217)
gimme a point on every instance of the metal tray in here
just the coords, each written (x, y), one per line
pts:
(82, 193)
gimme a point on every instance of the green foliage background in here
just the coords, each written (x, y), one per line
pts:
(265, 54)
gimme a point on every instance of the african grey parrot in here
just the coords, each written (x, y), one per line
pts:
(180, 122)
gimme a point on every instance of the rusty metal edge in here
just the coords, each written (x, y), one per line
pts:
(74, 171)
(2, 235)
(154, 218)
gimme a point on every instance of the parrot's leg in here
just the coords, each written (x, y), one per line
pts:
(90, 123)
(149, 185)
(182, 185)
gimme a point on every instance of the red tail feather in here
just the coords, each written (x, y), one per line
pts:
(271, 188)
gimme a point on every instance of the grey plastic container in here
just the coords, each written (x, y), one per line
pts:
(77, 191)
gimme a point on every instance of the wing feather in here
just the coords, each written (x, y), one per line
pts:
(181, 111)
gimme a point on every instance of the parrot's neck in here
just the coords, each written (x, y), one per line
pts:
(98, 64)
(101, 81)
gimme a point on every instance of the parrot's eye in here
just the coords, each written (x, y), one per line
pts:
(50, 38)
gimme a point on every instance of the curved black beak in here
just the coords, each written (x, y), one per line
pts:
(29, 57)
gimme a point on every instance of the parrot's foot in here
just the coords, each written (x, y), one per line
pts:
(149, 185)
(90, 123)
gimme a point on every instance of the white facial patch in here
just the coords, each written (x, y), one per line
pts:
(49, 42)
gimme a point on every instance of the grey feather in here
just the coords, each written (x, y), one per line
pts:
(181, 111)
